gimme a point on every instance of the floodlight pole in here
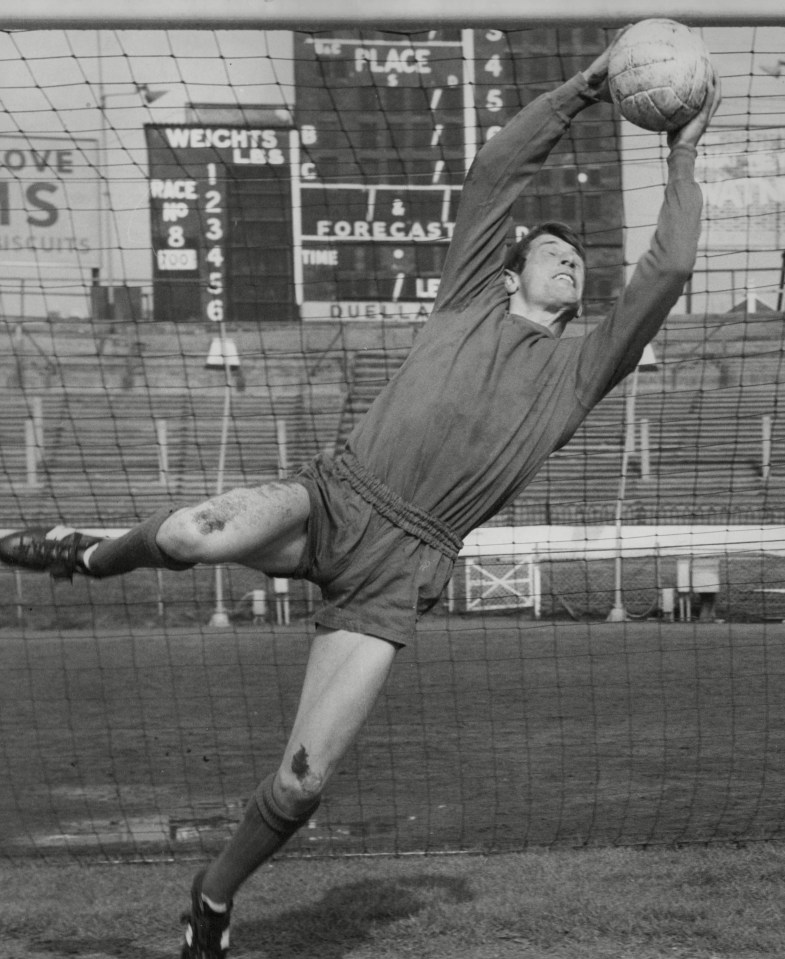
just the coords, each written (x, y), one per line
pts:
(619, 614)
(648, 361)
(220, 615)
(104, 197)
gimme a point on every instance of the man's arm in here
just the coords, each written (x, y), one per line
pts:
(614, 348)
(496, 179)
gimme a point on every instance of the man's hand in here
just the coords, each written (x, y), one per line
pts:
(597, 74)
(694, 129)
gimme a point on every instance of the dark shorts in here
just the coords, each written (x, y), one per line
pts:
(379, 562)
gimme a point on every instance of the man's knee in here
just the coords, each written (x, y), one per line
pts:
(238, 523)
(181, 537)
(284, 808)
(199, 534)
(299, 789)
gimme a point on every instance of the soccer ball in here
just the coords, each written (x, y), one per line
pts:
(658, 73)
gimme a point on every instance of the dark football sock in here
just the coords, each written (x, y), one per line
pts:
(264, 829)
(136, 549)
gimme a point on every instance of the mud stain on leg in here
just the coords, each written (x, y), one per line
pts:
(208, 522)
(300, 766)
(254, 507)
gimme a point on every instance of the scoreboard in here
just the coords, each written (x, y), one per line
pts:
(221, 212)
(348, 214)
(381, 175)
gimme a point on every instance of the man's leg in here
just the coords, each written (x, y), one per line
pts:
(262, 527)
(345, 674)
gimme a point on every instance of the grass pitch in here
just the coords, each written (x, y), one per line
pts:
(691, 903)
(490, 738)
(618, 772)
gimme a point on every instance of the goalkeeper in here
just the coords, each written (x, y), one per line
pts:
(488, 391)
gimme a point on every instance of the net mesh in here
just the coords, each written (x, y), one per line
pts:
(216, 248)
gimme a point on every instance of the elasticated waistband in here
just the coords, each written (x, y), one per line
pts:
(394, 508)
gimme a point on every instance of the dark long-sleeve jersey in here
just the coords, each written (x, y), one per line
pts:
(484, 396)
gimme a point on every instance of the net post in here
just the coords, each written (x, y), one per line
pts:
(38, 428)
(32, 458)
(20, 603)
(766, 446)
(645, 450)
(162, 442)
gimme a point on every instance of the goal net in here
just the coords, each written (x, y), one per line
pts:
(217, 246)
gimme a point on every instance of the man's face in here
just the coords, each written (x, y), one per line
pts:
(553, 276)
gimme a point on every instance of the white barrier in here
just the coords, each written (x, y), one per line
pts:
(601, 542)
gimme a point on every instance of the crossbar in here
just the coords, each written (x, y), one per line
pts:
(422, 14)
